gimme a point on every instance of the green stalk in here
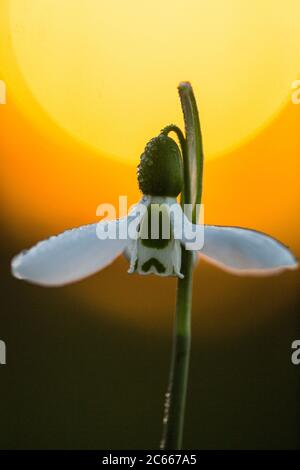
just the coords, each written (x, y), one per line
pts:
(175, 399)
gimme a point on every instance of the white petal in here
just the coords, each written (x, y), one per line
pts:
(154, 257)
(162, 262)
(67, 257)
(243, 251)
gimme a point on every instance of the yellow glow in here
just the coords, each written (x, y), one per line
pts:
(105, 71)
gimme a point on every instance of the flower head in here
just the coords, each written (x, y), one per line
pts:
(152, 235)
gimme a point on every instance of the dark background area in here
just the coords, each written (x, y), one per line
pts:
(78, 379)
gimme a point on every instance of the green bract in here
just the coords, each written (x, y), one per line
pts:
(160, 172)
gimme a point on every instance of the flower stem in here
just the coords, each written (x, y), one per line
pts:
(176, 395)
(175, 399)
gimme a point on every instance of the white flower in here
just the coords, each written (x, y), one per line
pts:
(80, 252)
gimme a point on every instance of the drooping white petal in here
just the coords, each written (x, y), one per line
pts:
(243, 251)
(70, 256)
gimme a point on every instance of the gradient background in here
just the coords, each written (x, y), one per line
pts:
(88, 83)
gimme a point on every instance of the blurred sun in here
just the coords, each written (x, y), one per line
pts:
(90, 81)
(105, 72)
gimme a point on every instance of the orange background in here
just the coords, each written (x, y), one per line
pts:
(87, 364)
(52, 181)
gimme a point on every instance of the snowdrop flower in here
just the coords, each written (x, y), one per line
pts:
(158, 237)
(151, 247)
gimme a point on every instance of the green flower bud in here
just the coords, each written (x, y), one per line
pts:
(160, 172)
